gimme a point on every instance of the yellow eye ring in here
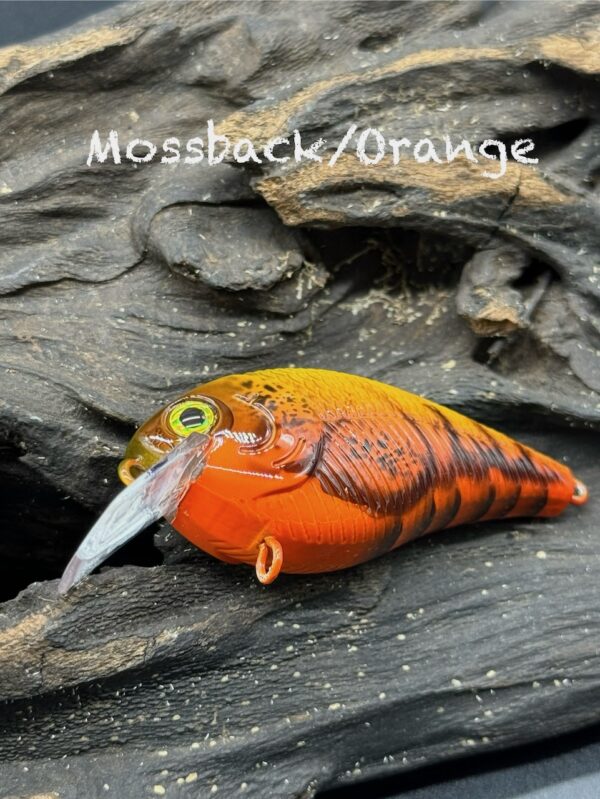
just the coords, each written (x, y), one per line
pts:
(192, 416)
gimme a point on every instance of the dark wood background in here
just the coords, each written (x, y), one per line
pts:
(120, 286)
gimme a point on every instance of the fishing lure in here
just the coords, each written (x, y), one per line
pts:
(307, 470)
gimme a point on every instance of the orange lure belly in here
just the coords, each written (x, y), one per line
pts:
(376, 467)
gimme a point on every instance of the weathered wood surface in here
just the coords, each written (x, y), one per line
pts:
(120, 286)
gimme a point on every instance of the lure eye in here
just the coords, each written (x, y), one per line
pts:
(192, 416)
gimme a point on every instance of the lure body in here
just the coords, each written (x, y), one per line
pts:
(314, 471)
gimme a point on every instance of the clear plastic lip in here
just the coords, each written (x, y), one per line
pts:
(156, 493)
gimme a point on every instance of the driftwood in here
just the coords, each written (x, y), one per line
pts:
(122, 284)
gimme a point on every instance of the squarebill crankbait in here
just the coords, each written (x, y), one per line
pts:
(306, 470)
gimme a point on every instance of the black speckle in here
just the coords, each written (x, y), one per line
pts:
(386, 464)
(270, 389)
(247, 384)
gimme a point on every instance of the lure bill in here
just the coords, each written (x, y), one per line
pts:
(308, 470)
(156, 493)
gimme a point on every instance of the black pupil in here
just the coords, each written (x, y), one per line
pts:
(192, 417)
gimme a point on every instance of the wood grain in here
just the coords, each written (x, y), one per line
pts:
(169, 673)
